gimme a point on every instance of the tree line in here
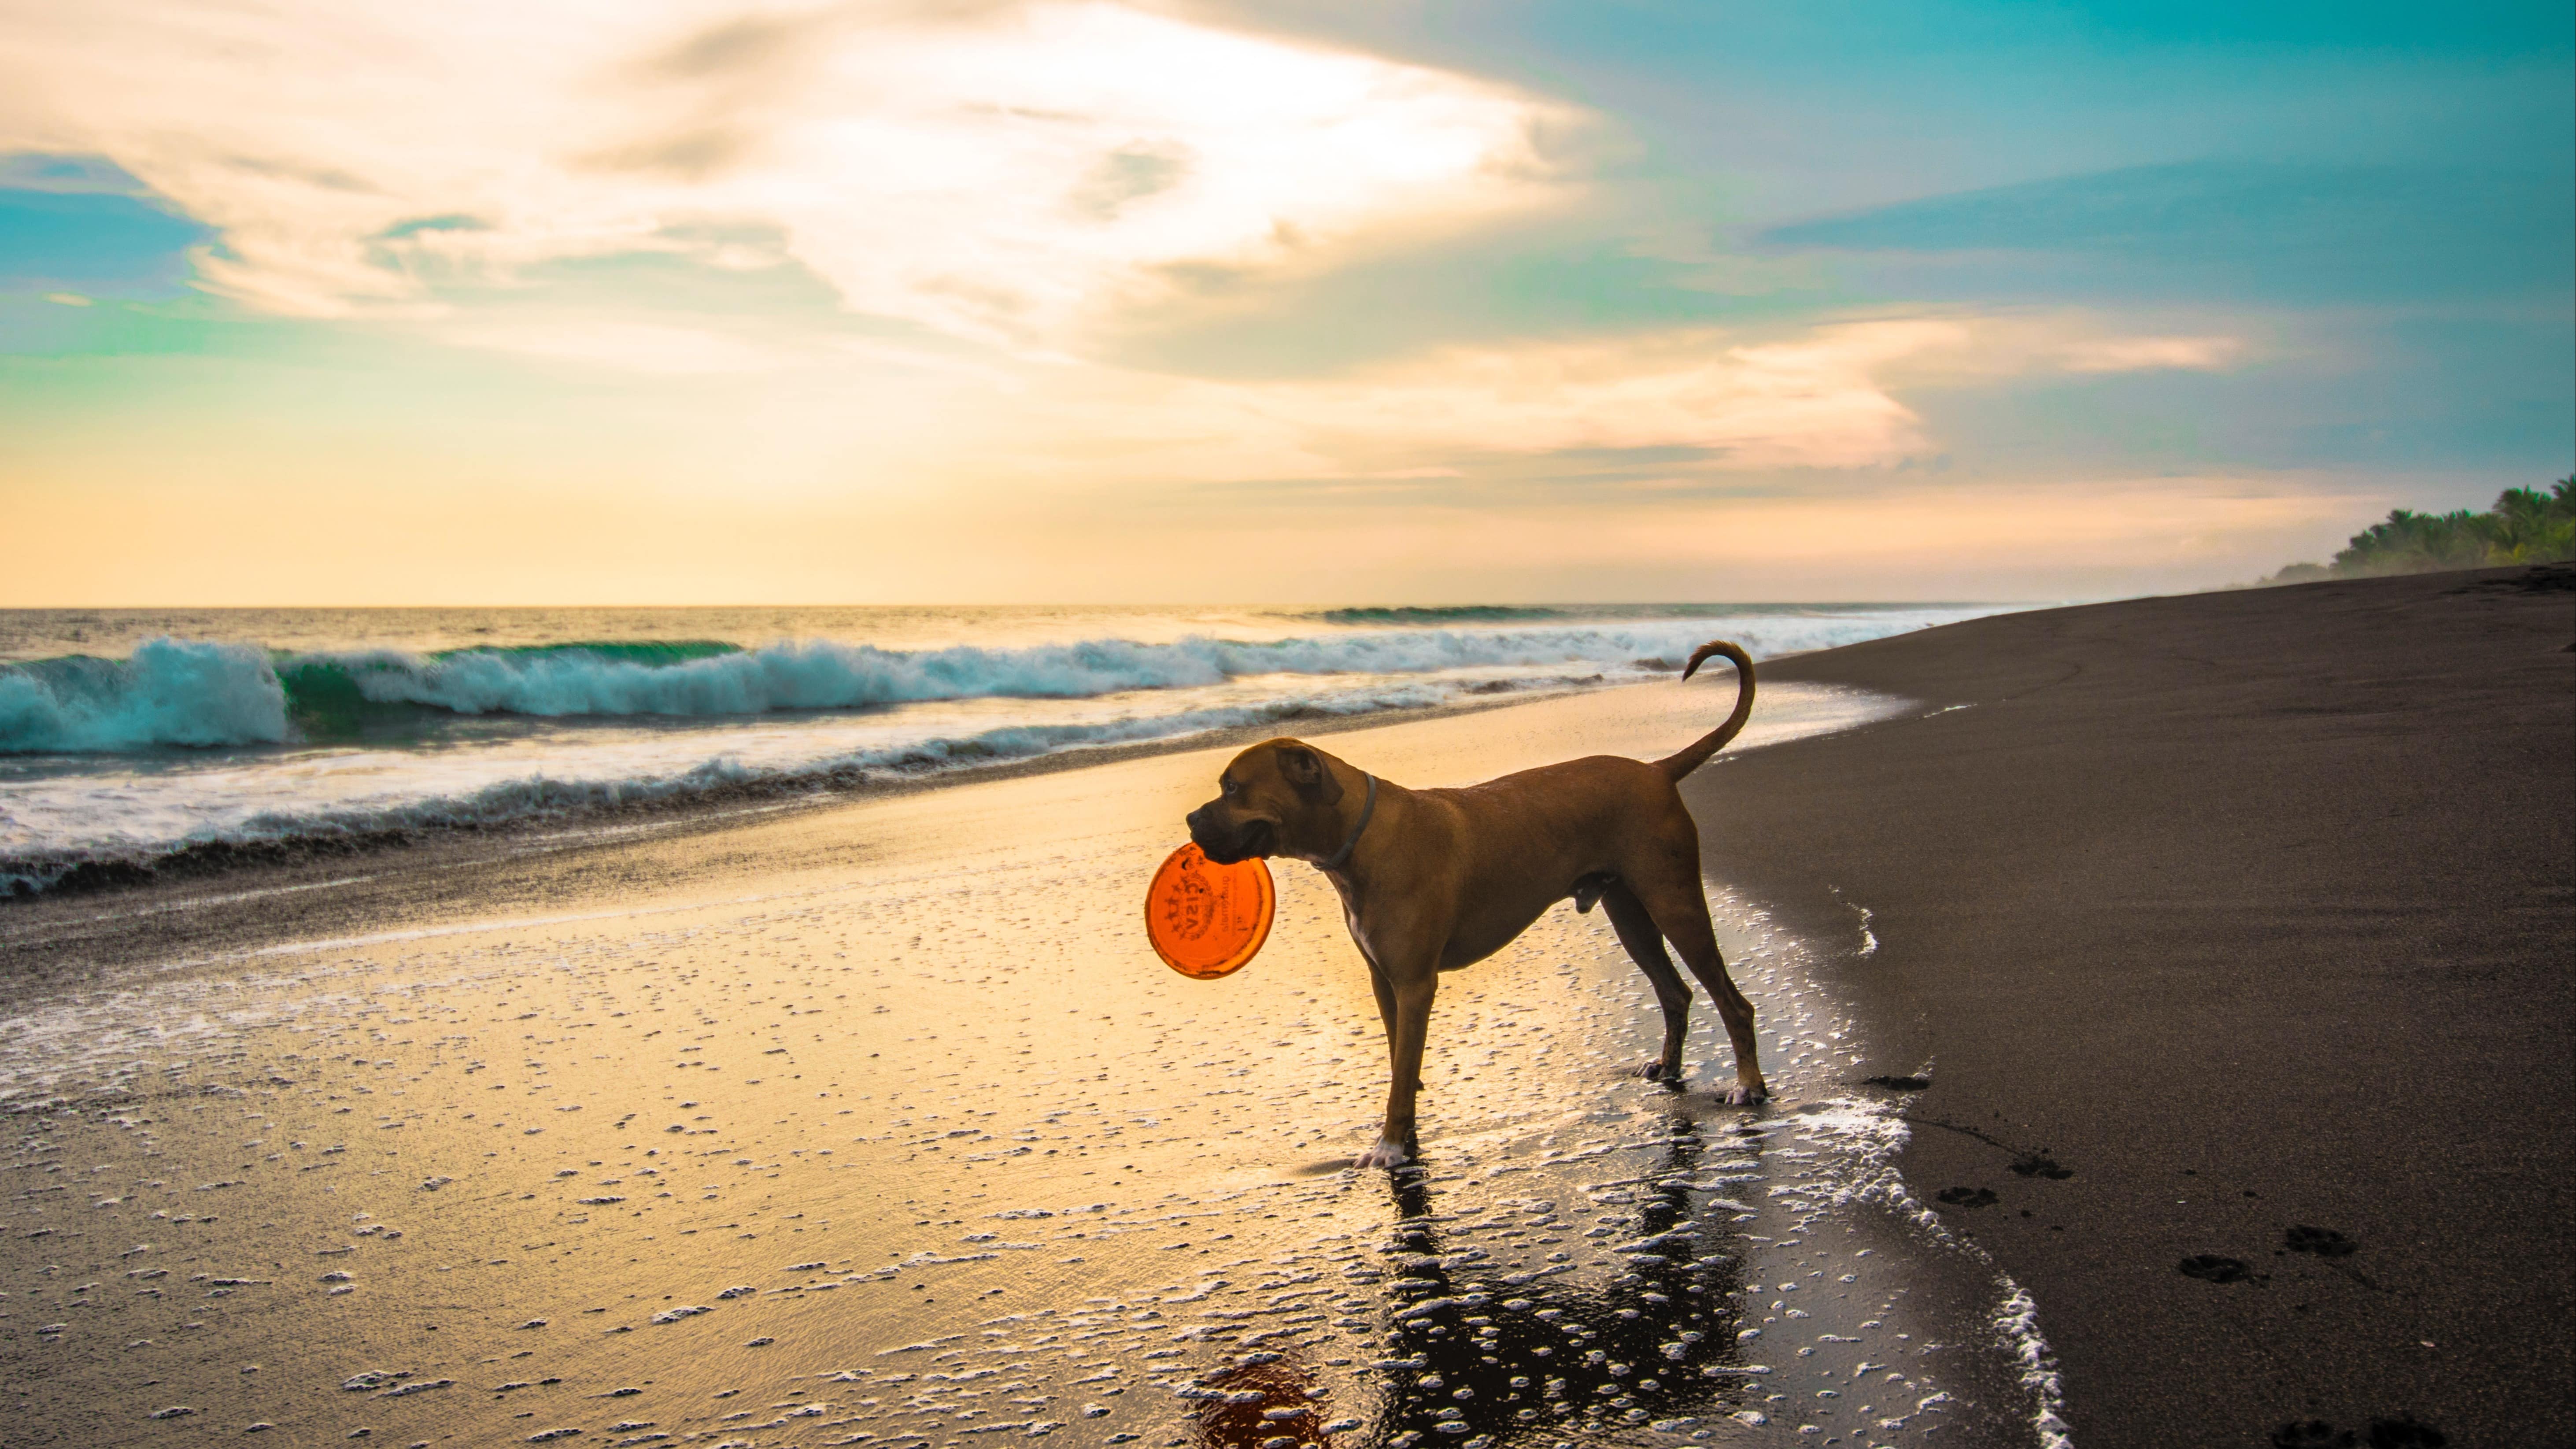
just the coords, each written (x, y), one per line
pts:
(2525, 526)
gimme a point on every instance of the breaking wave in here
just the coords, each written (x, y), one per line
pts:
(192, 753)
(171, 692)
(182, 693)
(524, 796)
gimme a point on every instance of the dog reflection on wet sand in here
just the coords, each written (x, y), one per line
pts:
(1434, 880)
(1478, 1355)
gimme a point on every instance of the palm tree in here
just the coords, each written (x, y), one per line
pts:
(2525, 526)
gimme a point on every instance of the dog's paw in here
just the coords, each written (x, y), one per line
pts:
(1656, 1071)
(1383, 1153)
(1741, 1095)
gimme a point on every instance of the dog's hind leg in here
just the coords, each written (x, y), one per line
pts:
(1672, 896)
(1646, 947)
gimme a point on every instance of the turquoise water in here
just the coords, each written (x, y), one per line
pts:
(126, 735)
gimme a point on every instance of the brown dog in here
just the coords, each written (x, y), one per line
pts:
(1432, 880)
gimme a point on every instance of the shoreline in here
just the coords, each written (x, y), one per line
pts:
(711, 809)
(194, 757)
(337, 885)
(2230, 932)
(885, 1117)
(2224, 931)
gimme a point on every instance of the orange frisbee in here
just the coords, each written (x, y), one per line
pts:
(1205, 919)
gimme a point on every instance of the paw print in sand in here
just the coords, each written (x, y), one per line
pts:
(2402, 1432)
(2211, 1268)
(2324, 1242)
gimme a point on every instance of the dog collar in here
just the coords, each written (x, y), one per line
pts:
(1368, 808)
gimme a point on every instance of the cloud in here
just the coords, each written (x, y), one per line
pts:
(1809, 402)
(625, 346)
(1822, 397)
(2137, 354)
(1897, 537)
(2233, 228)
(1691, 400)
(36, 171)
(1444, 421)
(1007, 173)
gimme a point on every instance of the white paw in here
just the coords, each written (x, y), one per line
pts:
(1383, 1154)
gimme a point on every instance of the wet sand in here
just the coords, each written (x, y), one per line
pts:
(879, 1124)
(2234, 933)
(2229, 933)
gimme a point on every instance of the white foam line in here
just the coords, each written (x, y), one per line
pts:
(1871, 1134)
(2018, 1320)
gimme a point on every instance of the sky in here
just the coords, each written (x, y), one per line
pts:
(343, 302)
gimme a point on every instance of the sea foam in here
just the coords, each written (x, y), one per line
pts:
(108, 766)
(829, 675)
(190, 693)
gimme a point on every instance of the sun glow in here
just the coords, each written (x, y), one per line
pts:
(997, 176)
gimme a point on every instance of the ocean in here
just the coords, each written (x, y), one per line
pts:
(128, 736)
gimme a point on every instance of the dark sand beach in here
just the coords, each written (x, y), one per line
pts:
(2229, 929)
(2237, 931)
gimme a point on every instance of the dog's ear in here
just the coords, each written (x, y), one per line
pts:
(1305, 773)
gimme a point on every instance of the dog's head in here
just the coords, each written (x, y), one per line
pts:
(1277, 798)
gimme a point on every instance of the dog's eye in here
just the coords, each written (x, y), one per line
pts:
(1229, 788)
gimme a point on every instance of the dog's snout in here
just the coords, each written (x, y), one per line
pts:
(1207, 832)
(1222, 838)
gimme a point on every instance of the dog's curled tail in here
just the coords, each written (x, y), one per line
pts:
(1676, 766)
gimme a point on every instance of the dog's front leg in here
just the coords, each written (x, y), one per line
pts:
(1409, 991)
(1386, 1017)
(1385, 1000)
